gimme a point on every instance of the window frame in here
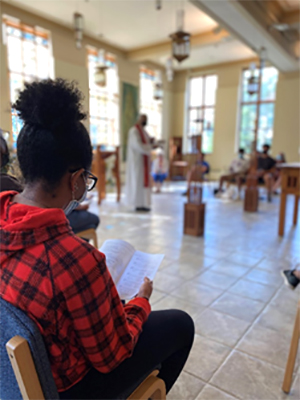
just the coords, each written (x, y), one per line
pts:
(106, 98)
(257, 103)
(200, 110)
(37, 31)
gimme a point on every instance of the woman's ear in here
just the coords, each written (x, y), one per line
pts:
(75, 180)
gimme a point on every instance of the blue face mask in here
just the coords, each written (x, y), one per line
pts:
(75, 203)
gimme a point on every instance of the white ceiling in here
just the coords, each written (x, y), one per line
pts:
(130, 24)
(233, 16)
(225, 51)
(127, 24)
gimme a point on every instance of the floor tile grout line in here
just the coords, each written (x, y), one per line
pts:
(245, 235)
(207, 383)
(217, 298)
(248, 329)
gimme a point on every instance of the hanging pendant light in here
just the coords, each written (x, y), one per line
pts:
(158, 87)
(100, 73)
(158, 4)
(78, 28)
(253, 82)
(169, 69)
(180, 39)
(262, 57)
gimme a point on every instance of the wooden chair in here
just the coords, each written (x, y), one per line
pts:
(290, 365)
(194, 209)
(177, 166)
(26, 371)
(89, 234)
(23, 366)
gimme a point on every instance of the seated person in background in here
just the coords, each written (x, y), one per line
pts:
(159, 169)
(7, 182)
(266, 169)
(237, 172)
(97, 346)
(201, 166)
(280, 159)
(80, 219)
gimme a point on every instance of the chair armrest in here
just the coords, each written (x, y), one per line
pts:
(152, 387)
(24, 369)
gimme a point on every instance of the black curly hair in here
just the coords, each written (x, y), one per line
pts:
(53, 139)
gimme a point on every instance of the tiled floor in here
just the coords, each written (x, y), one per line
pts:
(229, 282)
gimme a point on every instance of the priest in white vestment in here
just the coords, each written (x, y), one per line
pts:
(138, 182)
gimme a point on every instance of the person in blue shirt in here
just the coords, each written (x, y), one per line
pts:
(204, 164)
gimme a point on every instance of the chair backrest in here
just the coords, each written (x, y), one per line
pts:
(16, 322)
(89, 234)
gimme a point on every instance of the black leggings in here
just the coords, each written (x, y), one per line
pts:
(166, 339)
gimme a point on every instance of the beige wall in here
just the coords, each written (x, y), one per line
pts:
(287, 117)
(286, 122)
(79, 73)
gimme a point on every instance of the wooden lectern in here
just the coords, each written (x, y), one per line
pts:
(194, 211)
(251, 194)
(99, 170)
(290, 185)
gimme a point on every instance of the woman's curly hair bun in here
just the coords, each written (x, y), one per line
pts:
(50, 104)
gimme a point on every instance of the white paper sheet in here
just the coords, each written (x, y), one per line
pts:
(118, 254)
(140, 266)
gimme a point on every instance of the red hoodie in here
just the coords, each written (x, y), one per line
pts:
(63, 284)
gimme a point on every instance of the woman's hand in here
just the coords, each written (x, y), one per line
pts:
(146, 289)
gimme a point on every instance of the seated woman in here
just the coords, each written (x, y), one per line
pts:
(97, 347)
(237, 172)
(159, 170)
(80, 219)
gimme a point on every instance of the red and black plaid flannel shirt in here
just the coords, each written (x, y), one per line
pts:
(63, 284)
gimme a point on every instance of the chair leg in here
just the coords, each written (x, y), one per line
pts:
(95, 240)
(290, 365)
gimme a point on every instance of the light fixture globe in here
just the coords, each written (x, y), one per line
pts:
(180, 39)
(169, 69)
(180, 45)
(252, 85)
(100, 70)
(158, 86)
(158, 91)
(100, 76)
(78, 29)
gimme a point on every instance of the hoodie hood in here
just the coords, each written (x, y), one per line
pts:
(24, 226)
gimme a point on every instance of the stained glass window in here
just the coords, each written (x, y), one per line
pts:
(148, 105)
(104, 102)
(201, 111)
(258, 106)
(29, 58)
